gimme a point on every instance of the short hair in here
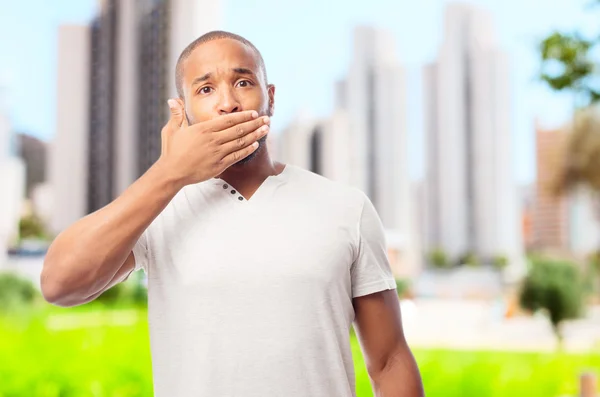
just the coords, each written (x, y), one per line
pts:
(205, 38)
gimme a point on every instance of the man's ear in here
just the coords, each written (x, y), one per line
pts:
(181, 100)
(271, 104)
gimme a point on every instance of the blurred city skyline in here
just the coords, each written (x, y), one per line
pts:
(294, 53)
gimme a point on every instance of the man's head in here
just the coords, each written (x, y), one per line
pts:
(221, 73)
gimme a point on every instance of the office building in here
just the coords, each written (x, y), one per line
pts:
(68, 157)
(129, 54)
(471, 195)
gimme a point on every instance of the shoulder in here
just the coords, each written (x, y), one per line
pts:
(315, 187)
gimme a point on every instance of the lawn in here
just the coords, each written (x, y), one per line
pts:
(86, 352)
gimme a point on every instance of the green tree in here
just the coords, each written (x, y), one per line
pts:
(499, 261)
(554, 287)
(32, 226)
(438, 259)
(16, 293)
(570, 63)
(469, 258)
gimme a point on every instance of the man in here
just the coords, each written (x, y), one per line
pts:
(256, 269)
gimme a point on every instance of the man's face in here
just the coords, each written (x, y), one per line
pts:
(224, 76)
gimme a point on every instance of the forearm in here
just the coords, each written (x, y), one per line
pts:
(399, 377)
(86, 256)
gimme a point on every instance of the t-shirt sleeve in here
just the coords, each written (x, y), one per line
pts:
(140, 252)
(371, 271)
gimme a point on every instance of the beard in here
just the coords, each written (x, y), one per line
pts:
(262, 142)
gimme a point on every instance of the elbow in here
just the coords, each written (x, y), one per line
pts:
(55, 289)
(52, 290)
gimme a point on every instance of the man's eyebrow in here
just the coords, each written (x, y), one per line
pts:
(201, 79)
(244, 71)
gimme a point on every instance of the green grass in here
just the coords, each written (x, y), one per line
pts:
(88, 352)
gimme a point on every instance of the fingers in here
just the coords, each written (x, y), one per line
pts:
(239, 131)
(177, 114)
(243, 141)
(221, 123)
(236, 156)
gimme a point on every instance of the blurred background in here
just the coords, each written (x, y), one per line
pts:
(472, 126)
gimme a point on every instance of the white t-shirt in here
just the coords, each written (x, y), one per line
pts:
(253, 298)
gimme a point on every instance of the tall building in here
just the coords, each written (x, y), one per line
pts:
(12, 178)
(373, 95)
(33, 152)
(363, 143)
(68, 157)
(471, 196)
(166, 28)
(321, 146)
(101, 138)
(550, 211)
(565, 223)
(129, 54)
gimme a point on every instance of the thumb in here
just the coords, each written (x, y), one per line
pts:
(177, 117)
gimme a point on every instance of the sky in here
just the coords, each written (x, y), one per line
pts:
(307, 47)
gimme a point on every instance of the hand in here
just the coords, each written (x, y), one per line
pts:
(199, 152)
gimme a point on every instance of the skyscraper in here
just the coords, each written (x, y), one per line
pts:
(373, 95)
(33, 152)
(166, 28)
(564, 222)
(321, 146)
(471, 196)
(103, 106)
(550, 211)
(68, 156)
(12, 180)
(129, 51)
(363, 143)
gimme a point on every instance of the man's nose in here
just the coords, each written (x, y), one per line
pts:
(228, 102)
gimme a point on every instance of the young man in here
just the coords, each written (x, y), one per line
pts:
(256, 269)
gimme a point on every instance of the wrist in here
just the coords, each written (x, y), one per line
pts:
(166, 177)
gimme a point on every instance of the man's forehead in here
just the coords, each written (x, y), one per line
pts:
(220, 54)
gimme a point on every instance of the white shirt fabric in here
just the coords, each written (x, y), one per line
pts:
(253, 298)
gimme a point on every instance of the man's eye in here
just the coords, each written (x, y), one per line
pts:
(244, 83)
(204, 90)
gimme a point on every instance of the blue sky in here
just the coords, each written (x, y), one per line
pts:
(306, 46)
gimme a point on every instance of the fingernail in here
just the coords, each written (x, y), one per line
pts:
(172, 103)
(264, 128)
(255, 144)
(266, 119)
(254, 115)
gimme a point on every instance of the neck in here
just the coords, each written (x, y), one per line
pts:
(247, 177)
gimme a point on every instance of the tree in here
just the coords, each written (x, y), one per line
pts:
(555, 287)
(438, 258)
(570, 63)
(469, 258)
(32, 227)
(499, 261)
(16, 293)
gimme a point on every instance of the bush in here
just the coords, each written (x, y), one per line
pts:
(556, 288)
(402, 287)
(499, 262)
(438, 259)
(32, 227)
(16, 292)
(468, 259)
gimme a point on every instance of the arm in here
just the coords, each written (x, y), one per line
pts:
(390, 363)
(95, 252)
